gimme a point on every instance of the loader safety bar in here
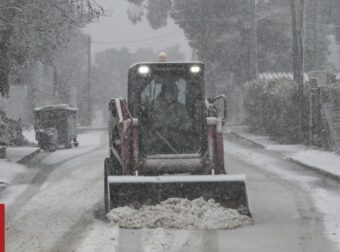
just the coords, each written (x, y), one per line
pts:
(177, 178)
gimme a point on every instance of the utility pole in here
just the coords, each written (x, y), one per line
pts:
(316, 28)
(302, 67)
(89, 98)
(203, 44)
(295, 45)
(253, 42)
(297, 11)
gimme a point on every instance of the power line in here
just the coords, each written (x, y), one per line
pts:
(137, 40)
(321, 24)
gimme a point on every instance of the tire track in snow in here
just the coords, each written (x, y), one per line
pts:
(287, 174)
(199, 241)
(59, 215)
(38, 180)
(159, 239)
(75, 234)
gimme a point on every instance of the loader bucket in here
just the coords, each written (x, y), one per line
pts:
(134, 191)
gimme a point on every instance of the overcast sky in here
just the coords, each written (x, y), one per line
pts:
(117, 31)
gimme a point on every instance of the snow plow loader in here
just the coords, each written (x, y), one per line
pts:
(166, 140)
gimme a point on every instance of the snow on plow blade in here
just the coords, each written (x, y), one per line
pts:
(134, 191)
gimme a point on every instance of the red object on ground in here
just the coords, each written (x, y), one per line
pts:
(2, 227)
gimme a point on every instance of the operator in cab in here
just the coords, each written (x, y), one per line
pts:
(170, 121)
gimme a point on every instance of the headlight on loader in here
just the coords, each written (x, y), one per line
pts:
(143, 70)
(195, 69)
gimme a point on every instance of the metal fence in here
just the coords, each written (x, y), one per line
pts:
(325, 116)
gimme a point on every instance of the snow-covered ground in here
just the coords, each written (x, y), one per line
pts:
(106, 234)
(322, 160)
(66, 190)
(29, 134)
(326, 162)
(9, 169)
(88, 141)
(68, 199)
(16, 154)
(327, 201)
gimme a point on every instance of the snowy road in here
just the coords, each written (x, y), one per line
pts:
(284, 204)
(59, 206)
(282, 201)
(61, 210)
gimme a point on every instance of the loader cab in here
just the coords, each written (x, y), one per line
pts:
(168, 100)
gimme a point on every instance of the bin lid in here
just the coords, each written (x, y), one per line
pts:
(57, 106)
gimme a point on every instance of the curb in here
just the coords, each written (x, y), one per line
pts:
(316, 169)
(248, 141)
(29, 157)
(310, 167)
(85, 129)
(3, 185)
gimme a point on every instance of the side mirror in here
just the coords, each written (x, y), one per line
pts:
(211, 106)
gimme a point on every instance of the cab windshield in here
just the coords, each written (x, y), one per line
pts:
(171, 115)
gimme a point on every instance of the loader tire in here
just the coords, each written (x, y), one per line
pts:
(68, 144)
(112, 167)
(52, 148)
(42, 145)
(116, 166)
(75, 142)
(108, 170)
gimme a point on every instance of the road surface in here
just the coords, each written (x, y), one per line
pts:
(62, 207)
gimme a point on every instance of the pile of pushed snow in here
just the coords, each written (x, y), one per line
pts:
(179, 213)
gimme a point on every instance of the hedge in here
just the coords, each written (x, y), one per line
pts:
(272, 109)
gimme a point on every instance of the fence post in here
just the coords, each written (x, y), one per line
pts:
(315, 116)
(2, 152)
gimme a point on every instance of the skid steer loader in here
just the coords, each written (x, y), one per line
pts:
(166, 141)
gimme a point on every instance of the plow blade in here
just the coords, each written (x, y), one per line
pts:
(134, 191)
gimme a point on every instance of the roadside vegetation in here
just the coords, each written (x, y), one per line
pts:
(270, 109)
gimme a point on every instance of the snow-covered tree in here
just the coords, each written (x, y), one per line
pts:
(230, 33)
(220, 33)
(33, 31)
